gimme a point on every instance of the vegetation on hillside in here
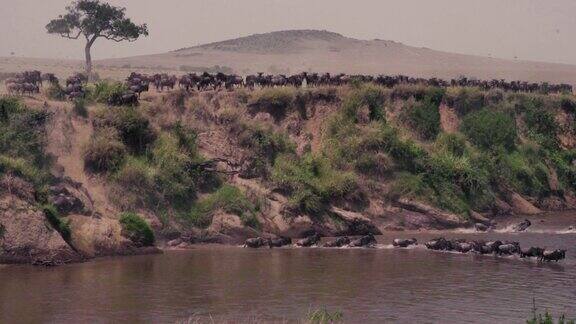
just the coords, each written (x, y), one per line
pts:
(136, 229)
(373, 137)
(23, 141)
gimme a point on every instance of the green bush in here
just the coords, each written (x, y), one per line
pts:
(173, 177)
(22, 168)
(23, 141)
(425, 118)
(275, 101)
(465, 100)
(542, 126)
(311, 181)
(264, 143)
(525, 171)
(137, 188)
(55, 92)
(408, 185)
(136, 229)
(407, 91)
(102, 91)
(406, 153)
(373, 164)
(62, 226)
(490, 129)
(79, 108)
(133, 128)
(104, 152)
(229, 199)
(366, 95)
(452, 143)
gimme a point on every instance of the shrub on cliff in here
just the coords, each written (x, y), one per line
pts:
(23, 141)
(104, 152)
(176, 182)
(311, 181)
(465, 100)
(133, 128)
(227, 198)
(55, 92)
(275, 101)
(102, 91)
(79, 108)
(62, 226)
(424, 117)
(136, 229)
(490, 130)
(367, 95)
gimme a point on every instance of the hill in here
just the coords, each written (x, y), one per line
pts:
(294, 51)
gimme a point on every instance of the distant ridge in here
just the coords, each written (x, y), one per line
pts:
(277, 41)
(293, 51)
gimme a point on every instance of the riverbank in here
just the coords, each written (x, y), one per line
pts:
(220, 166)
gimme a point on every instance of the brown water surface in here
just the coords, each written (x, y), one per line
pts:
(367, 285)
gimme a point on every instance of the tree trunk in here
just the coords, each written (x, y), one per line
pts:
(88, 61)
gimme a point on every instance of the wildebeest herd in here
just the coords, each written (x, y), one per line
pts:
(207, 81)
(497, 247)
(29, 82)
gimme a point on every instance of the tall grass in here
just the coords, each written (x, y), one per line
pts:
(228, 199)
(136, 229)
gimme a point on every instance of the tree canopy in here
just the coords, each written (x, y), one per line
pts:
(94, 19)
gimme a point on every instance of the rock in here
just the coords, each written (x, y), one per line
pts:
(231, 227)
(522, 206)
(174, 243)
(27, 237)
(12, 185)
(353, 223)
(95, 237)
(501, 208)
(425, 216)
(479, 218)
(70, 197)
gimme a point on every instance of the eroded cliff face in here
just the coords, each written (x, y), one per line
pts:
(241, 139)
(25, 234)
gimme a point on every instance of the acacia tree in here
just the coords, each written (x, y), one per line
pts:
(94, 19)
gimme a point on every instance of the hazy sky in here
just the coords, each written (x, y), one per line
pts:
(528, 29)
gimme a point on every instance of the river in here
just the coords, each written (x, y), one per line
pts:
(367, 285)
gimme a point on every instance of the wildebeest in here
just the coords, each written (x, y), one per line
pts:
(338, 242)
(508, 248)
(279, 242)
(439, 244)
(255, 242)
(534, 252)
(522, 226)
(462, 246)
(126, 98)
(404, 242)
(364, 241)
(309, 241)
(555, 255)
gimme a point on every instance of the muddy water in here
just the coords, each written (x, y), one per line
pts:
(367, 285)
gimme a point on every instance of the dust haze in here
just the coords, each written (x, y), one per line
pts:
(516, 29)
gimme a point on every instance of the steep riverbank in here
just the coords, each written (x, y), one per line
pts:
(220, 166)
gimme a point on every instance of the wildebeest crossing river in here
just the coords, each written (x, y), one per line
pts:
(378, 285)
